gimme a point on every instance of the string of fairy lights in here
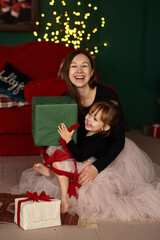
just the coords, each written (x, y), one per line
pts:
(69, 32)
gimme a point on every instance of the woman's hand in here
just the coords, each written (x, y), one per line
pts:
(88, 174)
(64, 133)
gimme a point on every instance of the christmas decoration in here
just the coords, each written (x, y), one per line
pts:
(70, 25)
(15, 11)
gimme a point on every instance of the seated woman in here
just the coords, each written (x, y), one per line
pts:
(122, 183)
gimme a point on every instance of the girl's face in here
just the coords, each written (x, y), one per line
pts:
(80, 70)
(93, 122)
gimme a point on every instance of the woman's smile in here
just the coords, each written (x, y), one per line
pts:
(79, 77)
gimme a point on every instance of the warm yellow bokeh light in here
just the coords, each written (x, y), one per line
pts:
(63, 3)
(62, 29)
(35, 33)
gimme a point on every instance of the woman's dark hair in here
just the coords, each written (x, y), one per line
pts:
(72, 90)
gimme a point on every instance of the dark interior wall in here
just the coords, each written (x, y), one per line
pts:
(131, 61)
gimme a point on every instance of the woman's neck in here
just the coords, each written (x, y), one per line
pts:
(87, 95)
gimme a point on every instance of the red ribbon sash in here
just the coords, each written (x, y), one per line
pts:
(32, 197)
(59, 156)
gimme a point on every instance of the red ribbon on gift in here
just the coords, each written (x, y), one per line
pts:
(59, 156)
(32, 197)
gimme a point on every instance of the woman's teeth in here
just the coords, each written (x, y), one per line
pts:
(79, 77)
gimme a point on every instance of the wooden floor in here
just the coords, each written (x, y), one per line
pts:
(10, 171)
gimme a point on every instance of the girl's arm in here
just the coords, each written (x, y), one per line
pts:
(91, 146)
(72, 147)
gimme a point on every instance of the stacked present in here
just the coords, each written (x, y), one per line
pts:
(152, 130)
(47, 114)
(36, 211)
(155, 131)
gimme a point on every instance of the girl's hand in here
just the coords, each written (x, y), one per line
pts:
(88, 174)
(64, 133)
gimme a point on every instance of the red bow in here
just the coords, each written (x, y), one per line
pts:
(59, 156)
(32, 197)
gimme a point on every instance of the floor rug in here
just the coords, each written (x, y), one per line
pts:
(7, 210)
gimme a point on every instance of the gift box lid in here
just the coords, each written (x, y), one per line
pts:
(53, 100)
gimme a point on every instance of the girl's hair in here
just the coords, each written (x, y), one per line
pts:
(110, 113)
(72, 90)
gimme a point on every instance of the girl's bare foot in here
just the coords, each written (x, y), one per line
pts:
(64, 205)
(40, 168)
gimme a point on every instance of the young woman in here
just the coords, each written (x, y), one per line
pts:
(80, 76)
(98, 123)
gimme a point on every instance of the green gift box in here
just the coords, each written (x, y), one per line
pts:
(47, 114)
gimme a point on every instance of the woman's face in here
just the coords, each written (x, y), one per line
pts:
(80, 70)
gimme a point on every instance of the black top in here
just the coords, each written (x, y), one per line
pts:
(91, 146)
(114, 143)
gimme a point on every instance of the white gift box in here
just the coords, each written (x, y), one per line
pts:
(40, 214)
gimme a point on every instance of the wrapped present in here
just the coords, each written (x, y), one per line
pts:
(47, 114)
(147, 129)
(36, 211)
(155, 132)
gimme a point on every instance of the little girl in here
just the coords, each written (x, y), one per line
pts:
(98, 123)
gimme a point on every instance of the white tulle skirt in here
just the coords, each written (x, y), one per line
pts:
(128, 189)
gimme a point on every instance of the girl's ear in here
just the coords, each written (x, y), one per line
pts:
(106, 128)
